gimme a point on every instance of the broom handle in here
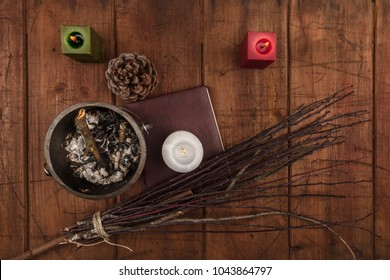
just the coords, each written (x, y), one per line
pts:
(39, 250)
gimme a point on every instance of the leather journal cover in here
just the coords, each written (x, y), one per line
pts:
(189, 110)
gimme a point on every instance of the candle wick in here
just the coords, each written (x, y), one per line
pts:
(183, 151)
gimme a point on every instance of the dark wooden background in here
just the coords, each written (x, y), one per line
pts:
(322, 46)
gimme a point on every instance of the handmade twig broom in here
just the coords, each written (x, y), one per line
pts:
(236, 175)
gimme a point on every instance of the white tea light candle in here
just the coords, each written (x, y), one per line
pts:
(182, 151)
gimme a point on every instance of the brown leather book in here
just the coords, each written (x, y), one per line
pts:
(189, 110)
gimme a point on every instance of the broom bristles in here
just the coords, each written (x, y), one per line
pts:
(236, 175)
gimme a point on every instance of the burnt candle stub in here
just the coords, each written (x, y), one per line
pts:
(104, 148)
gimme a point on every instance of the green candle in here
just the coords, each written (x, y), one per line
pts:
(81, 43)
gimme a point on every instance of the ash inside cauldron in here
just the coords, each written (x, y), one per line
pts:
(104, 148)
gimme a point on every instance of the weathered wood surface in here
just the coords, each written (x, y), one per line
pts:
(382, 133)
(328, 52)
(322, 46)
(246, 101)
(13, 158)
(56, 82)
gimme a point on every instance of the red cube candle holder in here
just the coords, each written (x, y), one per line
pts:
(258, 50)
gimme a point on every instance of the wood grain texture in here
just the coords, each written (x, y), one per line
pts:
(55, 83)
(322, 46)
(169, 34)
(13, 205)
(331, 47)
(246, 101)
(382, 118)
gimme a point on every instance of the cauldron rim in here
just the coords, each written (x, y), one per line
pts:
(106, 106)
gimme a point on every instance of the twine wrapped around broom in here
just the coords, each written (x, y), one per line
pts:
(237, 175)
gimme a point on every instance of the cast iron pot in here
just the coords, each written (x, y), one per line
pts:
(58, 165)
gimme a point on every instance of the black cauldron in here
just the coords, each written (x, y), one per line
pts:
(58, 165)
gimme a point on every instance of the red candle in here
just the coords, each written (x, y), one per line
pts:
(258, 50)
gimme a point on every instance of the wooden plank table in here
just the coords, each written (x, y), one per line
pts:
(321, 47)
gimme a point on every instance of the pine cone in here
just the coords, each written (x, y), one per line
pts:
(131, 76)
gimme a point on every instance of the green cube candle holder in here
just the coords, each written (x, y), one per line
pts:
(82, 43)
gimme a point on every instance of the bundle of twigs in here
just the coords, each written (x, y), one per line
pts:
(240, 173)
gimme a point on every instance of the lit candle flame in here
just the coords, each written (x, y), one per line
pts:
(266, 44)
(73, 38)
(183, 151)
